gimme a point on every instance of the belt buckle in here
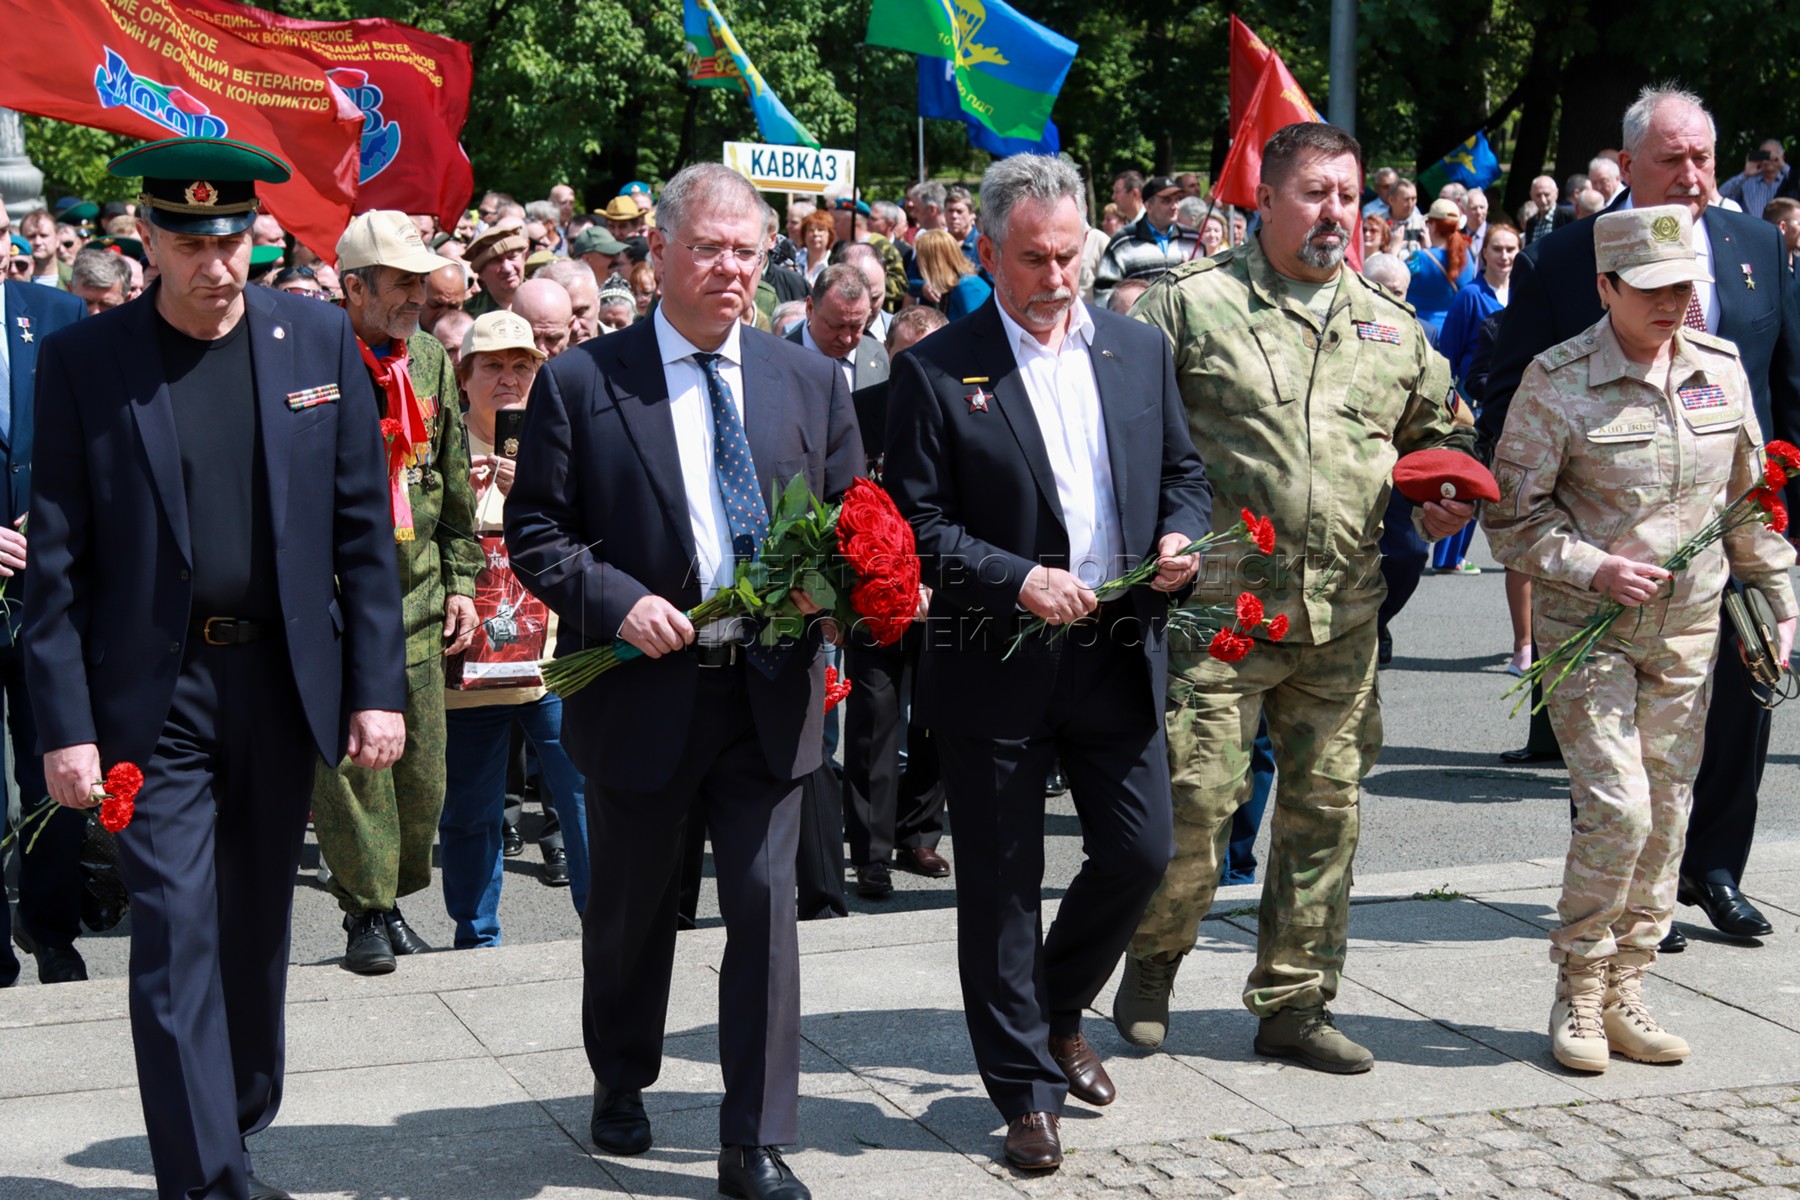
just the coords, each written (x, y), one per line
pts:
(206, 630)
(731, 650)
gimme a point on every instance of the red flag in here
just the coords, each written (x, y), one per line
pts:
(1248, 58)
(147, 69)
(412, 88)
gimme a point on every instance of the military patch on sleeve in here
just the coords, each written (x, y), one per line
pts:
(1451, 401)
(1375, 331)
(1702, 396)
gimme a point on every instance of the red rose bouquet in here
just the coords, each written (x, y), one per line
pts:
(118, 804)
(1760, 504)
(1259, 531)
(856, 559)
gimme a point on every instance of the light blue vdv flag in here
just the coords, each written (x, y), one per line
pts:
(938, 98)
(715, 59)
(1472, 164)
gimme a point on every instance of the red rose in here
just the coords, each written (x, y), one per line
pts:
(886, 604)
(1774, 474)
(1786, 452)
(1278, 628)
(1249, 611)
(1228, 645)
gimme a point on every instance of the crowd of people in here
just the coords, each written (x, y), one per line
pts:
(555, 428)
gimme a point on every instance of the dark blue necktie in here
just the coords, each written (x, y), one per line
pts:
(745, 513)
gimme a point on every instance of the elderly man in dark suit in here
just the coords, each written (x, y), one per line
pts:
(1039, 448)
(50, 878)
(212, 597)
(641, 475)
(1669, 157)
(837, 317)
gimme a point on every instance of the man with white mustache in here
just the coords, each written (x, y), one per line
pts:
(1670, 157)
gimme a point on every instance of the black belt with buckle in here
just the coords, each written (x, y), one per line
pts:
(234, 631)
(718, 654)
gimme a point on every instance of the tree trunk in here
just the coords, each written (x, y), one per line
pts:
(1531, 144)
(1597, 87)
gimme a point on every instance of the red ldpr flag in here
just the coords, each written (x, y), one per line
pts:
(1248, 58)
(412, 88)
(148, 69)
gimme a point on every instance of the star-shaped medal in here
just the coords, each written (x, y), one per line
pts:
(978, 400)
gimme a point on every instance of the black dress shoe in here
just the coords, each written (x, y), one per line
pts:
(368, 951)
(1674, 943)
(1726, 907)
(874, 881)
(266, 1191)
(758, 1173)
(556, 866)
(1055, 784)
(1384, 647)
(512, 843)
(619, 1124)
(401, 936)
(60, 964)
(1034, 1142)
(1528, 755)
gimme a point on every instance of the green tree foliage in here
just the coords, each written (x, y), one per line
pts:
(590, 92)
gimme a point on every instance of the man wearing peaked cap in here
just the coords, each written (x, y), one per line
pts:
(376, 827)
(212, 598)
(498, 259)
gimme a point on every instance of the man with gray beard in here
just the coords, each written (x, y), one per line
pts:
(1302, 382)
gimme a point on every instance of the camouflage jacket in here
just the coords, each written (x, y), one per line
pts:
(894, 294)
(1301, 423)
(443, 557)
(1600, 457)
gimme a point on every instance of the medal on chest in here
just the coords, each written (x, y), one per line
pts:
(1700, 397)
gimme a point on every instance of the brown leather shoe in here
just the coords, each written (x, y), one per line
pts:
(1032, 1142)
(923, 861)
(1088, 1080)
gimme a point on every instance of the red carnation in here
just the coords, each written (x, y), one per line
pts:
(1278, 628)
(121, 784)
(1774, 474)
(1249, 611)
(1786, 452)
(836, 688)
(1770, 503)
(1264, 535)
(390, 428)
(1228, 645)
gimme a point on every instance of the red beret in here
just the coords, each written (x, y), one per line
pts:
(1426, 475)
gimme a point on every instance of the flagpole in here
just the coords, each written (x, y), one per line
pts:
(1342, 96)
(856, 135)
(921, 149)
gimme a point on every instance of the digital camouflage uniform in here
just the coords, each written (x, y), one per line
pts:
(376, 827)
(1601, 456)
(1300, 421)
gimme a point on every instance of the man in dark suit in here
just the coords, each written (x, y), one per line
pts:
(50, 876)
(1670, 158)
(212, 597)
(641, 475)
(837, 315)
(1039, 448)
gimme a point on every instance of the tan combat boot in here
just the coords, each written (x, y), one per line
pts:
(1141, 1007)
(1577, 1034)
(1630, 1029)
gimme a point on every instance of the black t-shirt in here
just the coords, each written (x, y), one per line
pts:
(212, 389)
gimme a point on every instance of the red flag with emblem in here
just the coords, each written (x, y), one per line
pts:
(1248, 58)
(412, 88)
(151, 69)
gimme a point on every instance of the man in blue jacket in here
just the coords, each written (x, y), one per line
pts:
(212, 597)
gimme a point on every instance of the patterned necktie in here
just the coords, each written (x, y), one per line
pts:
(5, 395)
(745, 513)
(1696, 316)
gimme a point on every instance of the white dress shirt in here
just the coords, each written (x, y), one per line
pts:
(1708, 292)
(1066, 401)
(846, 364)
(691, 409)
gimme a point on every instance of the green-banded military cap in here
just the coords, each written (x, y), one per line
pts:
(262, 257)
(130, 247)
(205, 187)
(81, 213)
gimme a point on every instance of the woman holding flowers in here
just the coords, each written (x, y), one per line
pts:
(1631, 481)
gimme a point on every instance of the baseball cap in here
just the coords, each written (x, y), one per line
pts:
(1156, 185)
(596, 239)
(384, 238)
(1444, 210)
(1648, 247)
(499, 331)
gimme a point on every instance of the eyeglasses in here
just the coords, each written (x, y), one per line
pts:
(706, 255)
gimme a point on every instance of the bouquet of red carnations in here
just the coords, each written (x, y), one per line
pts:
(1259, 531)
(1225, 628)
(118, 804)
(856, 559)
(1760, 504)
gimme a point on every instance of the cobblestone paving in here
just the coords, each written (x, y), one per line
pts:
(1739, 1144)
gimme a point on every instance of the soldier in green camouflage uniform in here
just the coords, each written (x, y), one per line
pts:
(1300, 393)
(1621, 444)
(376, 828)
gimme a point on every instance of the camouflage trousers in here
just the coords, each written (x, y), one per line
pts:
(1631, 721)
(1324, 714)
(376, 828)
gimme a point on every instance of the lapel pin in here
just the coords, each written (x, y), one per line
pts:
(1749, 279)
(978, 400)
(1106, 354)
(280, 332)
(24, 324)
(978, 379)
